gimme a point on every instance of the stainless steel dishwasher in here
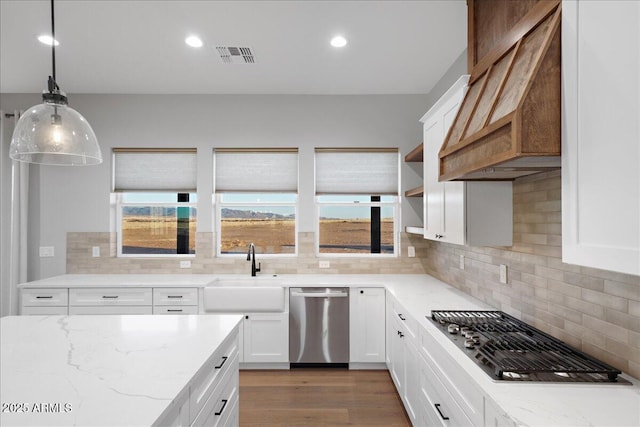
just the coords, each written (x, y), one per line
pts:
(318, 326)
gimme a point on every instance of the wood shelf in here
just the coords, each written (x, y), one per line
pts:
(415, 192)
(415, 155)
(414, 230)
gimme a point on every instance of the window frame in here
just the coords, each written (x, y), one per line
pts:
(120, 205)
(219, 205)
(395, 205)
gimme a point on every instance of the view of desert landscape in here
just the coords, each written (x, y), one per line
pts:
(157, 235)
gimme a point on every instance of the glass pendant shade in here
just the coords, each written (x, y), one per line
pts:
(54, 134)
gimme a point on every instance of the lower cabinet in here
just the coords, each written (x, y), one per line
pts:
(44, 301)
(265, 338)
(367, 325)
(211, 399)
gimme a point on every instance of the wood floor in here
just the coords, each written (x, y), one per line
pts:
(319, 397)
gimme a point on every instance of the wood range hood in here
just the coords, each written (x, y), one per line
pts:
(508, 125)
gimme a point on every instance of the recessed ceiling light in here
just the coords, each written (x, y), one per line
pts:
(193, 41)
(338, 41)
(48, 40)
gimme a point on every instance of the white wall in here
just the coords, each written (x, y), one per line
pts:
(77, 199)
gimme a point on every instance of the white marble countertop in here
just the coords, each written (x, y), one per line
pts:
(531, 404)
(101, 370)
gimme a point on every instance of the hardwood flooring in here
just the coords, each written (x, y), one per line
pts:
(319, 397)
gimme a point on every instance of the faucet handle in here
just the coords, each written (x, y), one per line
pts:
(258, 268)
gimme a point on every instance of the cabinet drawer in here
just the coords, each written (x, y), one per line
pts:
(114, 309)
(220, 404)
(441, 405)
(449, 373)
(408, 323)
(44, 311)
(110, 296)
(175, 309)
(211, 374)
(45, 297)
(175, 296)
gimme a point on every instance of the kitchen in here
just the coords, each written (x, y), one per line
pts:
(72, 210)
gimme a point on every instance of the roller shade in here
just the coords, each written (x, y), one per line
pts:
(357, 171)
(154, 170)
(256, 170)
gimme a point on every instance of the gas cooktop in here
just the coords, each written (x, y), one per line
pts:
(511, 350)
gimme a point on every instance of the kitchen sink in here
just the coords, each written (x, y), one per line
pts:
(244, 295)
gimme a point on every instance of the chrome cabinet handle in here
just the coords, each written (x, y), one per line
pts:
(437, 405)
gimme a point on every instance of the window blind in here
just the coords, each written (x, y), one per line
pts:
(154, 170)
(256, 170)
(357, 171)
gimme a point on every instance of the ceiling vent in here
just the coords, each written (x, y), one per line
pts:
(236, 55)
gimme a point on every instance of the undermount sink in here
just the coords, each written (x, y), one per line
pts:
(244, 295)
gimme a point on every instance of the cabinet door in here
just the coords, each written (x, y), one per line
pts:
(434, 190)
(367, 325)
(600, 149)
(412, 389)
(444, 201)
(266, 337)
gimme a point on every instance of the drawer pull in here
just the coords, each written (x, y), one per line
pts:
(44, 297)
(224, 359)
(110, 296)
(174, 296)
(174, 310)
(437, 405)
(224, 403)
(401, 317)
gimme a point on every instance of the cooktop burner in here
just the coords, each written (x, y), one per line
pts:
(511, 350)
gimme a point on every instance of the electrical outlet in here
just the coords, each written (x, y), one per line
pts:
(461, 262)
(325, 264)
(95, 251)
(503, 274)
(46, 251)
(411, 251)
(185, 264)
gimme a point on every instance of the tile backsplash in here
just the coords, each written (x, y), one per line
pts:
(594, 310)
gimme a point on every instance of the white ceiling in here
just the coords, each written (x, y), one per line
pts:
(117, 46)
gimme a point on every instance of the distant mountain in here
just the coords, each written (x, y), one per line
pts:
(243, 214)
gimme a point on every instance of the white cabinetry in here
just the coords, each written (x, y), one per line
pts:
(266, 338)
(175, 301)
(473, 213)
(403, 357)
(367, 325)
(44, 301)
(601, 122)
(110, 301)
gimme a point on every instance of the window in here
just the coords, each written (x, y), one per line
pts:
(357, 201)
(256, 199)
(268, 220)
(154, 192)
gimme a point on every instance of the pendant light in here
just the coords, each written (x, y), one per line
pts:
(52, 133)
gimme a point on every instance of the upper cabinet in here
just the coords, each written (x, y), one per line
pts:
(600, 134)
(473, 213)
(508, 124)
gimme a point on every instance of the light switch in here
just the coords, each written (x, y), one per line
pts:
(46, 251)
(95, 251)
(411, 251)
(503, 273)
(325, 264)
(185, 264)
(461, 262)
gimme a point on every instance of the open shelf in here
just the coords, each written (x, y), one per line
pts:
(414, 230)
(415, 192)
(415, 155)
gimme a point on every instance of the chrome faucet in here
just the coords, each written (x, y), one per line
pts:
(251, 256)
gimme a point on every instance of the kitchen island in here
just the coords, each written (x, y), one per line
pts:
(117, 370)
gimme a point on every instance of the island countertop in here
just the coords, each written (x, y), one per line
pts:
(102, 370)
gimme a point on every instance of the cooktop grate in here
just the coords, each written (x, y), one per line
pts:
(514, 350)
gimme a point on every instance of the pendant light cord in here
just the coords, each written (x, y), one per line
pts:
(53, 85)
